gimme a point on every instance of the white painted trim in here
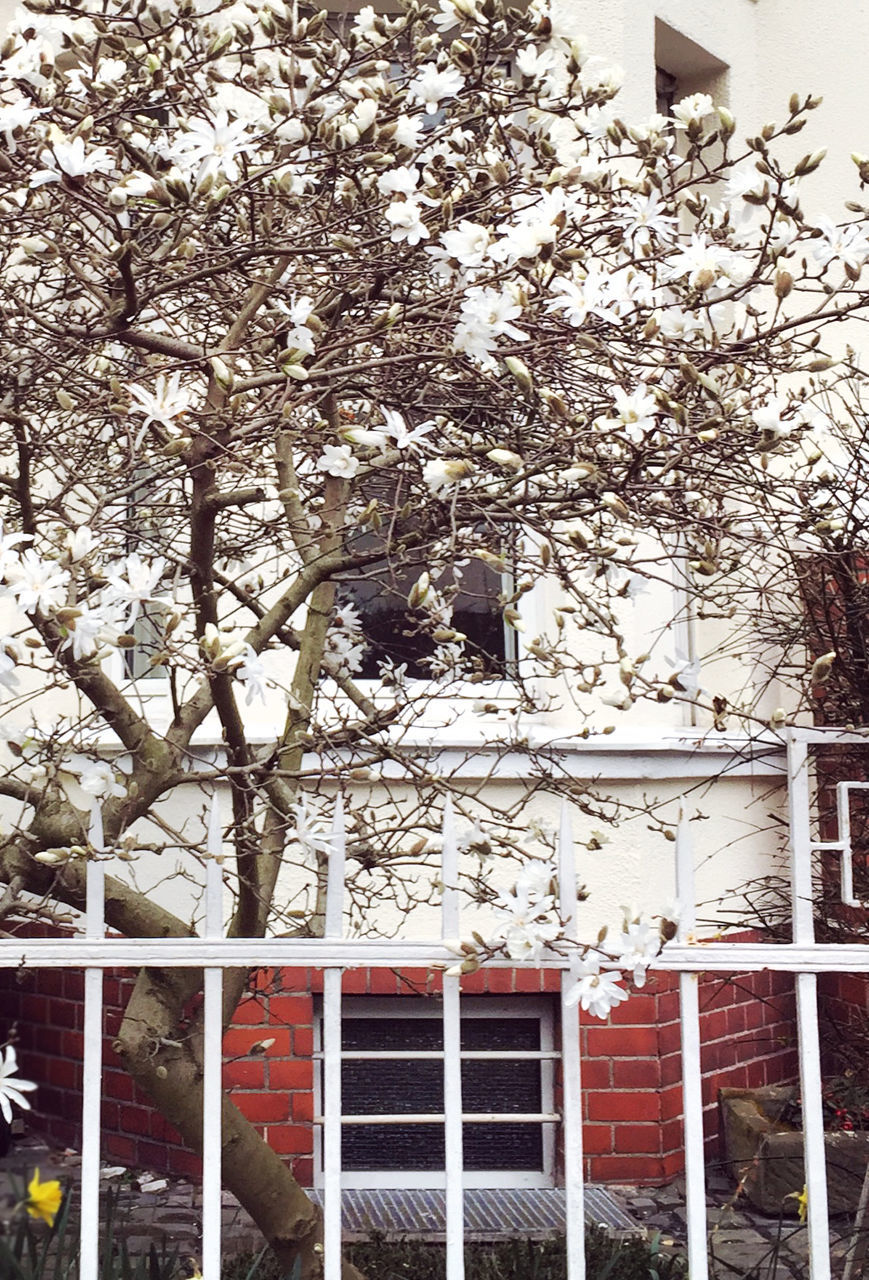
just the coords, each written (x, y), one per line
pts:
(429, 1007)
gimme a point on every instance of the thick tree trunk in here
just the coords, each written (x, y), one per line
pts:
(171, 1073)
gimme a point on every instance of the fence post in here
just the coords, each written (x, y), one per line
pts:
(212, 1048)
(452, 1036)
(571, 1071)
(92, 1066)
(332, 1055)
(807, 1009)
(692, 1077)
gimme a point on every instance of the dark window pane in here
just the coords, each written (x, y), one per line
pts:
(391, 1088)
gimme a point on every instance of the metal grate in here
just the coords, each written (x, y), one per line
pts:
(489, 1214)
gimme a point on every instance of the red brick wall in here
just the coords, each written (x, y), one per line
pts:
(631, 1063)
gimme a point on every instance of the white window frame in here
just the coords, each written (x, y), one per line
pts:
(428, 1007)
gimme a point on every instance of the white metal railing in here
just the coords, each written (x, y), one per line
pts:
(214, 953)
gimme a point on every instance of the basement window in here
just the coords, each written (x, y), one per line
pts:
(500, 1153)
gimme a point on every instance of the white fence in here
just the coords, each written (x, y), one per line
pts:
(213, 953)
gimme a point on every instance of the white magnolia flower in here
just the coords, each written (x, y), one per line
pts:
(487, 314)
(338, 460)
(430, 86)
(533, 64)
(16, 115)
(88, 630)
(12, 1088)
(73, 160)
(528, 926)
(39, 586)
(595, 992)
(162, 405)
(97, 778)
(251, 673)
(401, 181)
(635, 413)
(9, 557)
(468, 243)
(134, 581)
(299, 335)
(769, 417)
(10, 655)
(452, 12)
(638, 945)
(405, 217)
(311, 831)
(646, 215)
(845, 244)
(405, 437)
(579, 298)
(215, 145)
(692, 109)
(442, 473)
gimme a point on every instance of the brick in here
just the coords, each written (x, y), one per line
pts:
(613, 1105)
(117, 1084)
(499, 982)
(291, 1140)
(632, 1168)
(290, 1011)
(528, 981)
(641, 1010)
(63, 1074)
(417, 982)
(135, 1120)
(597, 1073)
(672, 1137)
(120, 1148)
(252, 1011)
(237, 1041)
(622, 1042)
(294, 979)
(109, 1112)
(639, 1073)
(668, 1007)
(382, 982)
(303, 1041)
(670, 1101)
(303, 1171)
(302, 1107)
(597, 1139)
(632, 1139)
(247, 1073)
(713, 1026)
(64, 1013)
(354, 982)
(262, 1108)
(291, 1074)
(671, 1068)
(475, 984)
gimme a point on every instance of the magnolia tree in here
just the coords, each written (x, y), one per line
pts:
(325, 340)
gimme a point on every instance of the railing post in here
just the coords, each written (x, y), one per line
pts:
(692, 1071)
(571, 1071)
(212, 1048)
(332, 1055)
(807, 1009)
(92, 1067)
(452, 1033)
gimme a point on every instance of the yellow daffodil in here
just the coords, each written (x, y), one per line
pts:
(43, 1199)
(802, 1199)
(803, 1204)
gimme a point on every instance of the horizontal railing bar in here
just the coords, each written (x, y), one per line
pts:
(829, 846)
(322, 953)
(469, 1117)
(472, 1055)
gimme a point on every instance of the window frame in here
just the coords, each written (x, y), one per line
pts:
(478, 1007)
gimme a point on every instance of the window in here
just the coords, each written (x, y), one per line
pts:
(472, 593)
(503, 1153)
